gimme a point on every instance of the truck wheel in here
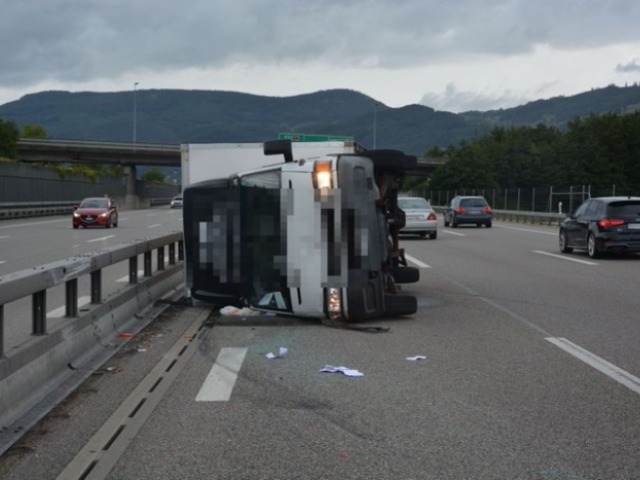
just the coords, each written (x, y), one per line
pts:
(394, 160)
(396, 304)
(406, 275)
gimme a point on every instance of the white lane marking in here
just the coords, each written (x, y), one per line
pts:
(155, 225)
(60, 311)
(101, 238)
(530, 230)
(219, 384)
(4, 236)
(126, 277)
(30, 224)
(600, 364)
(2, 261)
(416, 261)
(454, 233)
(564, 257)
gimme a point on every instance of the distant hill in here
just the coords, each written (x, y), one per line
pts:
(196, 116)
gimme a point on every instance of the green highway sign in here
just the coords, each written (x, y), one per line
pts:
(305, 137)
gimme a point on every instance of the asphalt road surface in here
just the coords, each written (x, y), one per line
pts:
(531, 372)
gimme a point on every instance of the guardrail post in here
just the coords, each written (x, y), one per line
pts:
(96, 286)
(147, 264)
(71, 298)
(172, 254)
(39, 313)
(133, 270)
(160, 258)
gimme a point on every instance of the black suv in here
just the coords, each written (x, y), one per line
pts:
(603, 224)
(471, 210)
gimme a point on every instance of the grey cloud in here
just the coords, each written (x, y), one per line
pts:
(632, 66)
(79, 40)
(453, 100)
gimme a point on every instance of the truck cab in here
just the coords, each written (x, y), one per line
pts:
(312, 237)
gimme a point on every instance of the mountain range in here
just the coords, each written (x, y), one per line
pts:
(198, 116)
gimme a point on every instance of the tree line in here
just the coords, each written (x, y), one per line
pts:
(598, 150)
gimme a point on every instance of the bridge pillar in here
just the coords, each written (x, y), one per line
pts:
(131, 198)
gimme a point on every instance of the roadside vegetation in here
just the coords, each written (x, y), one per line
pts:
(598, 150)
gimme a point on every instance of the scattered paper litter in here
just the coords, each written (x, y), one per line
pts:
(282, 353)
(231, 311)
(349, 372)
(416, 358)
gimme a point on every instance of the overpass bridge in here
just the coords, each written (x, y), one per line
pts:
(128, 155)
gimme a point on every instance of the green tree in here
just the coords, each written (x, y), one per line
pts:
(33, 131)
(8, 139)
(153, 175)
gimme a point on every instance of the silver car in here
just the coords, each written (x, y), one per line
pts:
(420, 218)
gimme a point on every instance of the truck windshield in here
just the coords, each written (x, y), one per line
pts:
(263, 236)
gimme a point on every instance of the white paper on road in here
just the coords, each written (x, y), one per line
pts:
(282, 353)
(416, 358)
(231, 311)
(349, 372)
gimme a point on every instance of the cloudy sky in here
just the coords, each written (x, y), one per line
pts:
(453, 55)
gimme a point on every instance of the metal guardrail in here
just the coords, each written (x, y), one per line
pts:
(519, 216)
(540, 218)
(35, 209)
(28, 374)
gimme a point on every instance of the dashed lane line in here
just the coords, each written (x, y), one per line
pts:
(106, 237)
(417, 262)
(60, 311)
(219, 384)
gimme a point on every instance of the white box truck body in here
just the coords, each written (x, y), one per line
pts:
(206, 161)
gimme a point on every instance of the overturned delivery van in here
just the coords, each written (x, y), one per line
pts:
(311, 237)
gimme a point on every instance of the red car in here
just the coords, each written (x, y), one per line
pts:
(95, 212)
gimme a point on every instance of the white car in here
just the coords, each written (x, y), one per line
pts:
(420, 218)
(176, 202)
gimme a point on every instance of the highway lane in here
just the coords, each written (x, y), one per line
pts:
(29, 243)
(26, 243)
(495, 398)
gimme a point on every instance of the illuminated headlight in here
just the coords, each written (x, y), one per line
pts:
(76, 215)
(322, 174)
(334, 303)
(323, 179)
(104, 215)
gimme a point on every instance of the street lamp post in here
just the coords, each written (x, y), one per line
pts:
(135, 111)
(375, 123)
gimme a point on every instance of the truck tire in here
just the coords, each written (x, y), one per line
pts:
(406, 275)
(393, 160)
(397, 304)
